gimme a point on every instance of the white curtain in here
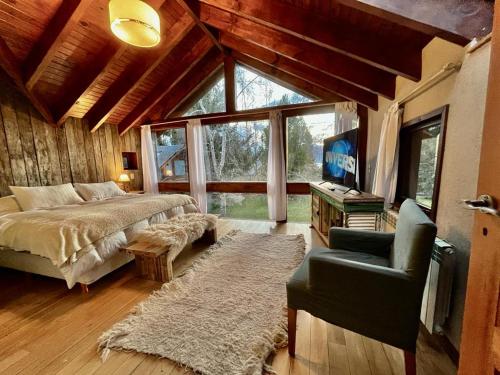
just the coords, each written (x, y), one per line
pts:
(346, 117)
(386, 170)
(149, 170)
(276, 173)
(196, 163)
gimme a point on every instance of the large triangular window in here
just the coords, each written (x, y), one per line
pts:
(256, 91)
(212, 100)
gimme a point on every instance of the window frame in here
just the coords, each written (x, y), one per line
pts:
(176, 184)
(404, 166)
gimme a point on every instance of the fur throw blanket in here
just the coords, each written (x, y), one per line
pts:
(177, 232)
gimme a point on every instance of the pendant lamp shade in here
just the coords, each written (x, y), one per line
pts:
(134, 22)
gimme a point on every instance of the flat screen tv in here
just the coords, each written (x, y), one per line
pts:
(340, 158)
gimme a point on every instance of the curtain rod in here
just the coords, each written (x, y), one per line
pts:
(442, 74)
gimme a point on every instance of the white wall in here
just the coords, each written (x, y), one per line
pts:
(465, 92)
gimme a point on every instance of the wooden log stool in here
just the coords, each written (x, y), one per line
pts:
(155, 262)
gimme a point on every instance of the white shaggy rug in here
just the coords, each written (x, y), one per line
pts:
(225, 316)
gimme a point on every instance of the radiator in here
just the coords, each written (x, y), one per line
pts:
(437, 292)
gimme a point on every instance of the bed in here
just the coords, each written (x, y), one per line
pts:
(80, 242)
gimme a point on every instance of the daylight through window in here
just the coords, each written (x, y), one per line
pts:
(255, 91)
(171, 156)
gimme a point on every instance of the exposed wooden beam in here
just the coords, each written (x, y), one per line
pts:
(456, 21)
(247, 115)
(192, 7)
(397, 57)
(299, 70)
(135, 74)
(194, 92)
(333, 63)
(179, 70)
(192, 83)
(11, 65)
(230, 85)
(60, 26)
(83, 84)
(287, 80)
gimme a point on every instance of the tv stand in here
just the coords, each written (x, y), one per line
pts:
(359, 192)
(334, 208)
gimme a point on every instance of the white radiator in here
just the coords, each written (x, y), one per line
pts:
(437, 292)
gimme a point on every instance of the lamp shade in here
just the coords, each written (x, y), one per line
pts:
(124, 178)
(134, 22)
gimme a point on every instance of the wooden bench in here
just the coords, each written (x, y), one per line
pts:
(155, 263)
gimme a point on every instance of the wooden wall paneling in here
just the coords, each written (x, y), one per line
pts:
(27, 141)
(116, 150)
(13, 140)
(135, 135)
(45, 139)
(89, 151)
(76, 150)
(110, 155)
(42, 149)
(63, 155)
(108, 169)
(98, 156)
(5, 170)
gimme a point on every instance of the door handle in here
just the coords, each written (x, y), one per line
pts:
(484, 203)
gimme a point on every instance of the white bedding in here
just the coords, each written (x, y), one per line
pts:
(97, 252)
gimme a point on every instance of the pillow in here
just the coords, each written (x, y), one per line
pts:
(98, 191)
(30, 198)
(8, 205)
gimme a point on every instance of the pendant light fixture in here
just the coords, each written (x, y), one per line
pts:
(135, 22)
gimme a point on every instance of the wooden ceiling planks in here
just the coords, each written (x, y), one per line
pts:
(64, 52)
(23, 22)
(61, 25)
(388, 54)
(299, 70)
(457, 22)
(201, 73)
(182, 58)
(137, 72)
(333, 63)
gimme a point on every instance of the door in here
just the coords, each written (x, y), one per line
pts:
(480, 348)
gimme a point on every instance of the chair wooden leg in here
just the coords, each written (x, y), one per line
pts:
(410, 363)
(292, 330)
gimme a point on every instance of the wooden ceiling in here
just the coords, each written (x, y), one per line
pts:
(63, 57)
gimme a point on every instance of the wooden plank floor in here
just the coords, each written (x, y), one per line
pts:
(47, 329)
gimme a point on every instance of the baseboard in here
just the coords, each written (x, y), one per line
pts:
(444, 343)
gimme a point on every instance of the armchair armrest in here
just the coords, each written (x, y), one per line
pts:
(361, 285)
(365, 241)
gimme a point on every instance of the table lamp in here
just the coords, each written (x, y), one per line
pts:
(125, 180)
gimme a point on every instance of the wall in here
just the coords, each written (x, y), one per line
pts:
(34, 153)
(465, 92)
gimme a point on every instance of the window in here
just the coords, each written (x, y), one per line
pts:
(212, 101)
(299, 208)
(236, 151)
(305, 135)
(238, 206)
(171, 155)
(255, 91)
(420, 158)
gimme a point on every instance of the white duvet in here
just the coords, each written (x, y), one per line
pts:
(80, 237)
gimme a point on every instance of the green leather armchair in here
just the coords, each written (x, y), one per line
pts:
(368, 282)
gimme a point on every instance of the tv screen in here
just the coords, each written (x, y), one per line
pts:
(340, 157)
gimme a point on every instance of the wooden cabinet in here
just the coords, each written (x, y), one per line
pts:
(338, 209)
